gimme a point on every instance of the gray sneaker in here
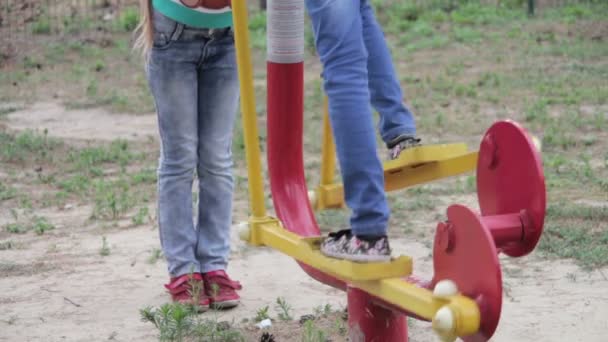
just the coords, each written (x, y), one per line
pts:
(344, 245)
(401, 143)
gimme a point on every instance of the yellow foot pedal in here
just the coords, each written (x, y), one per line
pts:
(424, 164)
(416, 156)
(356, 271)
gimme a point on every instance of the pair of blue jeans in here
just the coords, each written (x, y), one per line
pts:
(192, 75)
(358, 71)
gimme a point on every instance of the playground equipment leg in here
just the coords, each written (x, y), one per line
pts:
(369, 322)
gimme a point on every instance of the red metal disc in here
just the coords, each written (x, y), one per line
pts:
(470, 260)
(510, 179)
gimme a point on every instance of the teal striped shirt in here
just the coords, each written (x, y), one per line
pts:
(195, 17)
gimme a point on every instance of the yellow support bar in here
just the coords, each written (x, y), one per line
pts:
(328, 194)
(250, 122)
(328, 149)
(381, 280)
(424, 303)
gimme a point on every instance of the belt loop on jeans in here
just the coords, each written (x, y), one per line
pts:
(179, 28)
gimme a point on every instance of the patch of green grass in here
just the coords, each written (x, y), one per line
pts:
(144, 176)
(7, 192)
(312, 333)
(77, 184)
(112, 199)
(577, 231)
(467, 35)
(284, 309)
(333, 219)
(7, 110)
(340, 326)
(577, 175)
(420, 202)
(142, 216)
(323, 310)
(177, 322)
(41, 225)
(38, 224)
(42, 25)
(577, 240)
(155, 255)
(537, 111)
(18, 147)
(30, 62)
(428, 43)
(105, 247)
(6, 245)
(76, 24)
(16, 228)
(577, 11)
(262, 314)
(92, 88)
(89, 159)
(577, 211)
(257, 29)
(575, 49)
(128, 19)
(55, 53)
(475, 14)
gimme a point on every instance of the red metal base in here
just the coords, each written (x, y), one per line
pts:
(464, 253)
(510, 180)
(368, 322)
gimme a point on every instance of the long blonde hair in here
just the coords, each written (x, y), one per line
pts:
(145, 28)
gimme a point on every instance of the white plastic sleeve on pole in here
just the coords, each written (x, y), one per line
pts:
(285, 31)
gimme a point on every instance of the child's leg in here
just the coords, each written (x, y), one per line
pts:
(173, 81)
(386, 96)
(217, 103)
(339, 40)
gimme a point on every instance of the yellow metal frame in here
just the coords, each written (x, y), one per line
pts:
(250, 122)
(328, 194)
(381, 280)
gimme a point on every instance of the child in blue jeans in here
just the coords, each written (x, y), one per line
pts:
(358, 71)
(192, 74)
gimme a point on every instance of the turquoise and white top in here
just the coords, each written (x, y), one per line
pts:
(195, 17)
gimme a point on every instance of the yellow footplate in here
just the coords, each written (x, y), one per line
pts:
(357, 271)
(306, 250)
(416, 156)
(424, 164)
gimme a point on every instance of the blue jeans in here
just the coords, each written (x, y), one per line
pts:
(358, 70)
(193, 78)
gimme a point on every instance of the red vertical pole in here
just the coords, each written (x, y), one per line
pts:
(285, 123)
(368, 322)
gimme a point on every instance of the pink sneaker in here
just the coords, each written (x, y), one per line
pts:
(221, 289)
(182, 290)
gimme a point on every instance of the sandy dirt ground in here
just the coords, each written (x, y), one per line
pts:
(59, 288)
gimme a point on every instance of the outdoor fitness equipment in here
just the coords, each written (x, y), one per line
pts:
(464, 297)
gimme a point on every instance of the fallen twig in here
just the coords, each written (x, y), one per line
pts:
(71, 302)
